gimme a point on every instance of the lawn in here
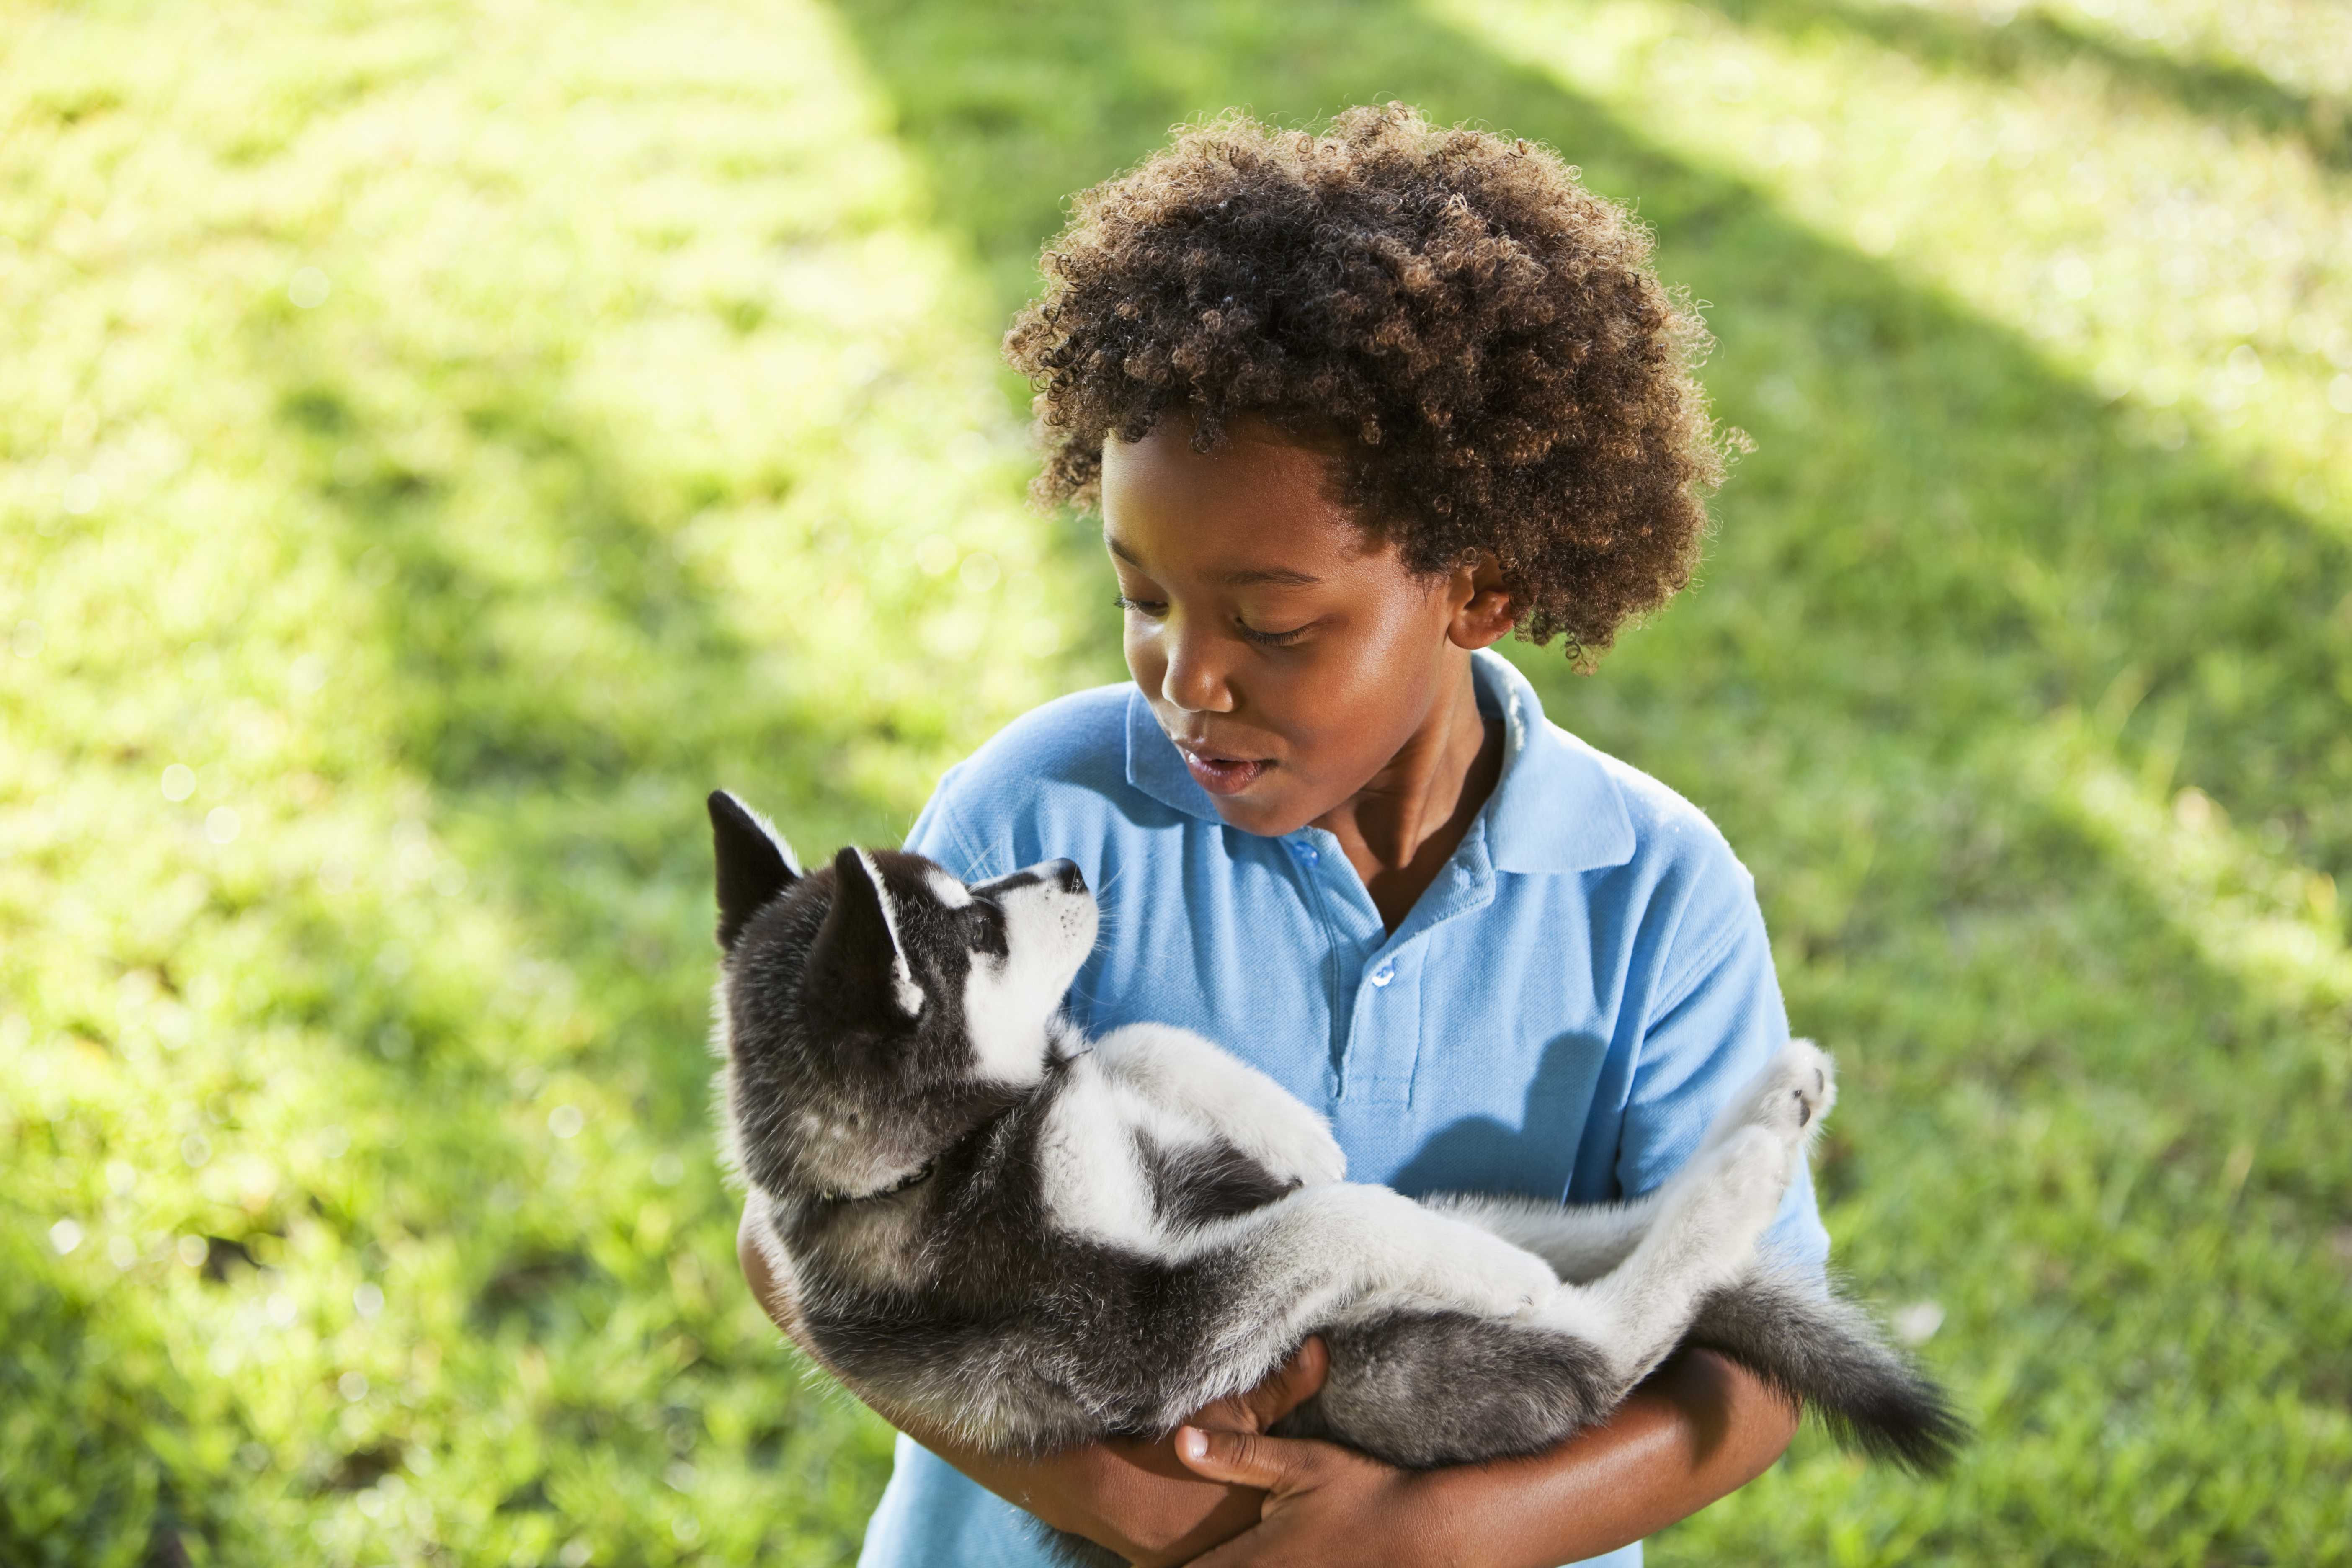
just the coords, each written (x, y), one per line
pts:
(439, 442)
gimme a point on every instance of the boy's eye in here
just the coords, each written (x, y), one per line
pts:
(1269, 639)
(1152, 609)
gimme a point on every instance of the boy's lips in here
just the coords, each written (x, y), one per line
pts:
(1221, 774)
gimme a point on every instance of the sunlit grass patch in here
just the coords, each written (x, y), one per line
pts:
(438, 451)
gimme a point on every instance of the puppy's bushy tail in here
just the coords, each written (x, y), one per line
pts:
(1825, 1352)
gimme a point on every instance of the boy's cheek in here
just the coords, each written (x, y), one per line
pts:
(1146, 671)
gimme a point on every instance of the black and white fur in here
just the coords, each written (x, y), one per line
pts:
(1026, 1238)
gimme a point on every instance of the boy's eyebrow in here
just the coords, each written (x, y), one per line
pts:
(1249, 577)
(1279, 576)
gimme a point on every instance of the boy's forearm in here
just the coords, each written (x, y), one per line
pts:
(1699, 1429)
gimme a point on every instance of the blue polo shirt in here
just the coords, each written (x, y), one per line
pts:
(1560, 1014)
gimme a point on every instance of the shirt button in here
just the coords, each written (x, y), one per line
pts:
(1383, 974)
(1306, 853)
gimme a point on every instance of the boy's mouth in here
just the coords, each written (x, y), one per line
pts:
(1222, 776)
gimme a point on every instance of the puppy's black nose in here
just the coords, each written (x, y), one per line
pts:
(1065, 875)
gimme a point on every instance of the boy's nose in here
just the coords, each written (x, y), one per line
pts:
(1192, 681)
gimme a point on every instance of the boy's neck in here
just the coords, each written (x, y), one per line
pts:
(1399, 830)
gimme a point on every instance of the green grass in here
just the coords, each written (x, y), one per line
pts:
(377, 628)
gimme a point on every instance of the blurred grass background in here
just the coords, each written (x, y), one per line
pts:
(439, 442)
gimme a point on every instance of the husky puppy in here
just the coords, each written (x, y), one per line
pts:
(1028, 1238)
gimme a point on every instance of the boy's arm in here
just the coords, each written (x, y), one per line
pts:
(1698, 1430)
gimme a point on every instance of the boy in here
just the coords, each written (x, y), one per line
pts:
(1352, 408)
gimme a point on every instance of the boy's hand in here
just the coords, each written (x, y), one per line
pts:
(1135, 1496)
(1323, 1503)
(1701, 1426)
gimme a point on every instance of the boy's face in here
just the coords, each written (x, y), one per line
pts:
(1293, 663)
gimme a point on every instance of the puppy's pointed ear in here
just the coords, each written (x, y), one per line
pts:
(755, 864)
(858, 962)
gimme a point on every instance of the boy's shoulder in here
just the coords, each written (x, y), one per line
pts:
(1653, 865)
(1058, 774)
(1575, 807)
(1078, 741)
(1682, 876)
(1666, 827)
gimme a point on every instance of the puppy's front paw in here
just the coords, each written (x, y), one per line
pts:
(1298, 1146)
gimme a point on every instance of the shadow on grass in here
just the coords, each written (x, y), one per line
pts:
(2037, 41)
(569, 694)
(570, 721)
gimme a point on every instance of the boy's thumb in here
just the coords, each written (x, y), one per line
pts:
(1241, 1458)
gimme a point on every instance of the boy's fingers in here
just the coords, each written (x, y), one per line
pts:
(1244, 1459)
(1301, 1377)
(1294, 1383)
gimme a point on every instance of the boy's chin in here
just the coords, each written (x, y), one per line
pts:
(1268, 809)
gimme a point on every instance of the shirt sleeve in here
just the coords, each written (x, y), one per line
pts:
(1717, 1019)
(941, 834)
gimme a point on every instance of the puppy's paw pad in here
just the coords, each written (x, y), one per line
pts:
(1792, 1095)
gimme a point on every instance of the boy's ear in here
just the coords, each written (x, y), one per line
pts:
(1484, 612)
(857, 964)
(755, 864)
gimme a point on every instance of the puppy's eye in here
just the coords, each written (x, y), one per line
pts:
(988, 933)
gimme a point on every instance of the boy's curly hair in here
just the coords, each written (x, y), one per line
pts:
(1482, 340)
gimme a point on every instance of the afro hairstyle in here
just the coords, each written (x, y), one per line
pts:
(1482, 343)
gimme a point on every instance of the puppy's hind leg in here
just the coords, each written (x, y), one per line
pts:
(1581, 1241)
(1789, 1097)
(1708, 1219)
(1323, 1253)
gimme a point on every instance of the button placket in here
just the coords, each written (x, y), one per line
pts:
(1342, 952)
(1385, 1034)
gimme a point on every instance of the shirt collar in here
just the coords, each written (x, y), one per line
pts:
(1555, 808)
